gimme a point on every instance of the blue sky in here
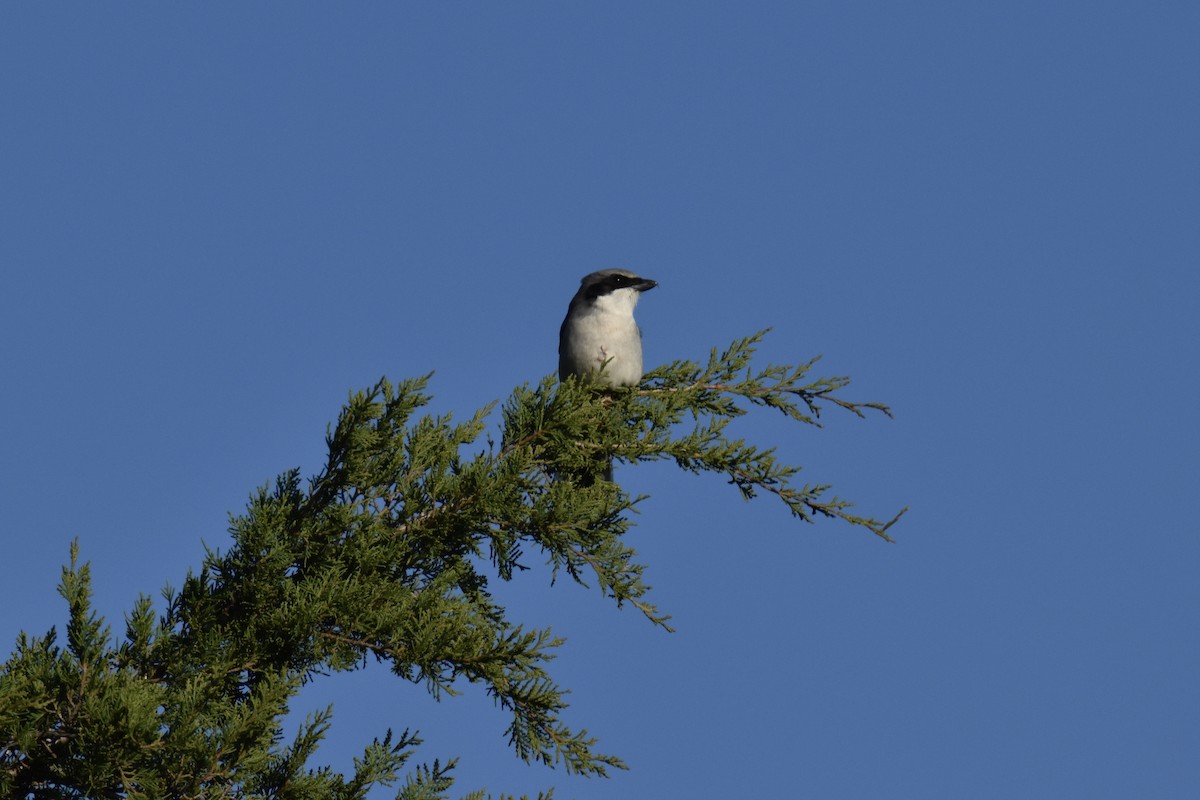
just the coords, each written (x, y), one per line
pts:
(215, 221)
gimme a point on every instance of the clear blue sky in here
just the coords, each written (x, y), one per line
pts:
(218, 219)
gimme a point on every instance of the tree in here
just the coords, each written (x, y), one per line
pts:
(386, 555)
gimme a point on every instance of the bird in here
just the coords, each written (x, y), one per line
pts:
(599, 336)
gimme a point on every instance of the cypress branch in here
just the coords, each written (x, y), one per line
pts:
(387, 554)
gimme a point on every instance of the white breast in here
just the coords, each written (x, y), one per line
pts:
(606, 331)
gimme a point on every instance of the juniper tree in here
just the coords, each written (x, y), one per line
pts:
(386, 555)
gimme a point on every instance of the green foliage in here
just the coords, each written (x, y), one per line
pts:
(386, 555)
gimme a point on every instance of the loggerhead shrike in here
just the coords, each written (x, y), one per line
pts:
(599, 334)
(599, 330)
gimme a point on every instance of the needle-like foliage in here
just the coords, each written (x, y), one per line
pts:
(386, 555)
